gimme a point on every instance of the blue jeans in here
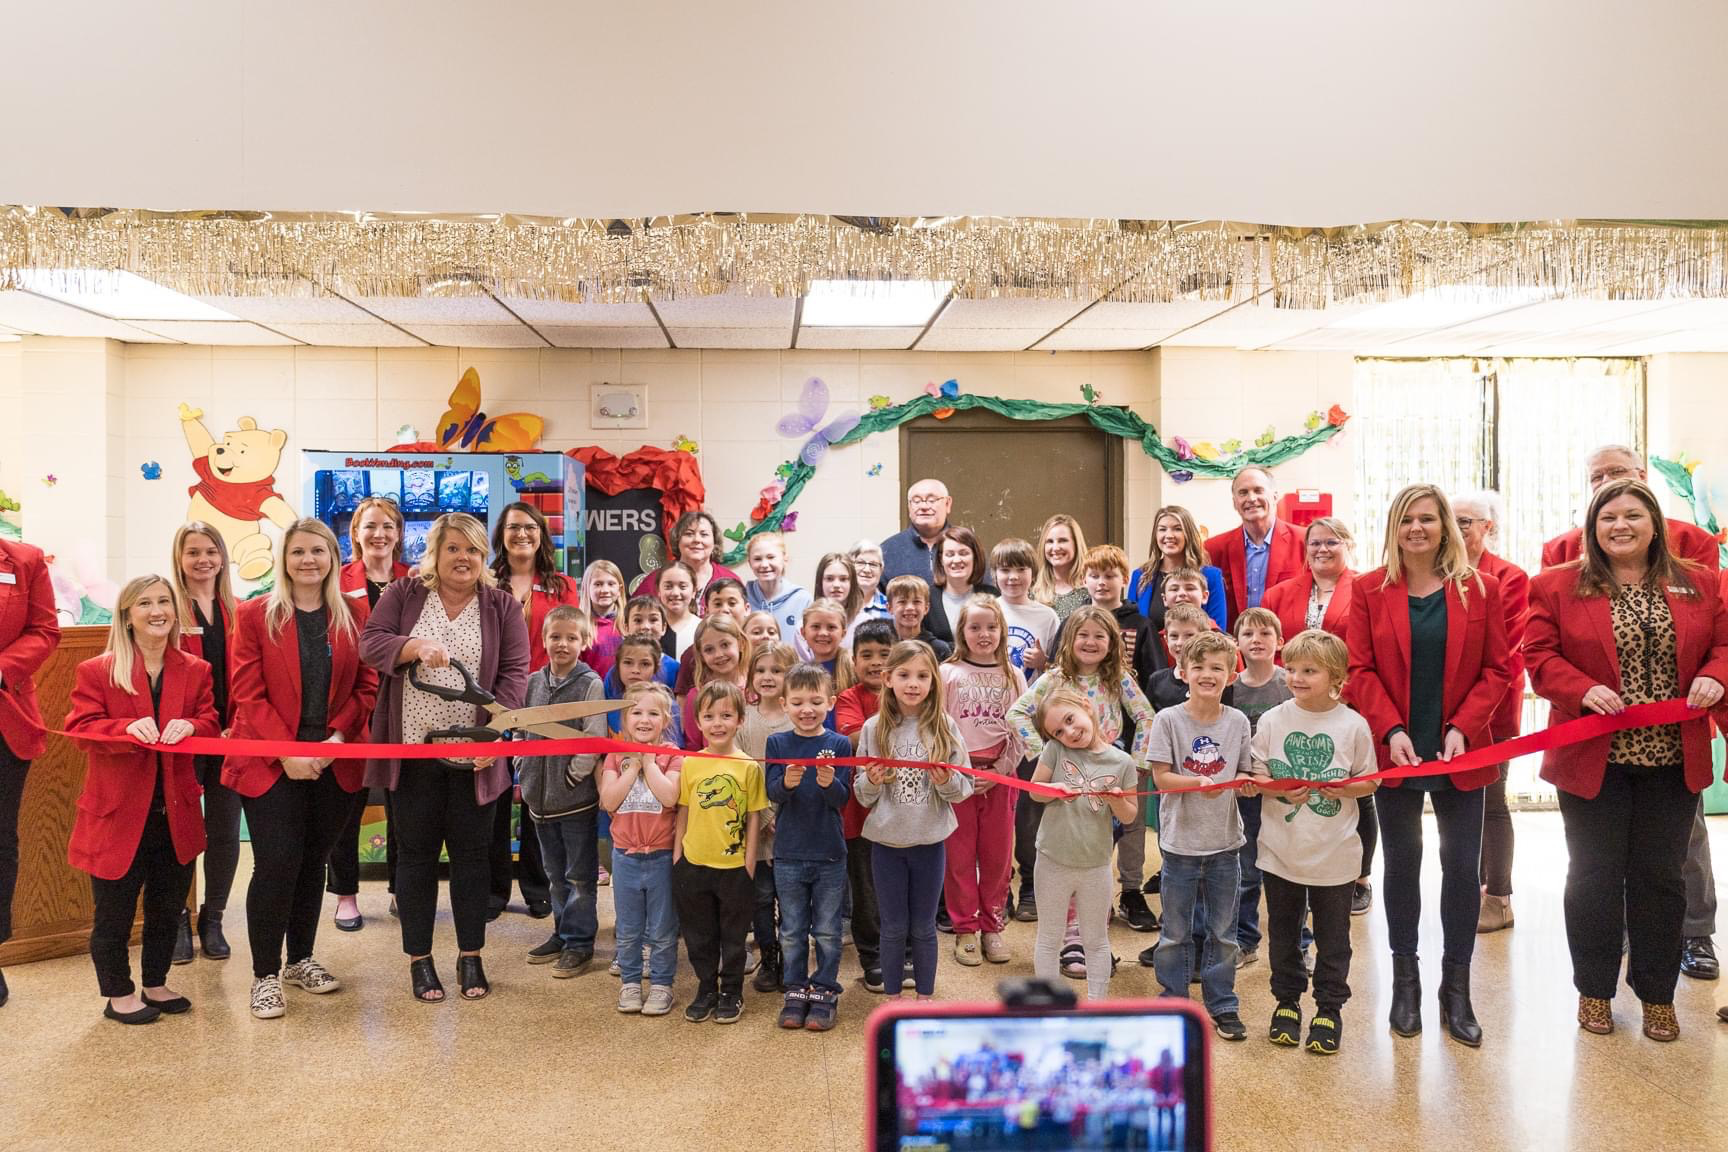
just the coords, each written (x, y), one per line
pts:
(645, 914)
(811, 894)
(1248, 889)
(908, 885)
(570, 851)
(1187, 879)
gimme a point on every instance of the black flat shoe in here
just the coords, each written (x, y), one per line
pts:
(424, 974)
(471, 975)
(173, 1006)
(353, 924)
(183, 939)
(539, 909)
(148, 1014)
(211, 942)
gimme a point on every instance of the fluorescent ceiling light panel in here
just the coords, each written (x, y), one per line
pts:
(120, 295)
(1439, 308)
(873, 303)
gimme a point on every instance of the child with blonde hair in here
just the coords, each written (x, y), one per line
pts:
(765, 714)
(769, 591)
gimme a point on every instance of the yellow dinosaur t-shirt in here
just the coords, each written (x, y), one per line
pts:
(717, 794)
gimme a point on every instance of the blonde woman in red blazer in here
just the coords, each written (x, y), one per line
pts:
(1628, 623)
(297, 676)
(1255, 495)
(138, 828)
(200, 563)
(29, 633)
(375, 541)
(1428, 668)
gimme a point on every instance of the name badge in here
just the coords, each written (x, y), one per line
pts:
(8, 578)
(1676, 590)
(192, 631)
(356, 594)
(539, 587)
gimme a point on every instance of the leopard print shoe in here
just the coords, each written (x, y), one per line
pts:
(1660, 1023)
(1595, 1016)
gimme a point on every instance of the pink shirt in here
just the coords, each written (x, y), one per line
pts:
(642, 823)
(978, 698)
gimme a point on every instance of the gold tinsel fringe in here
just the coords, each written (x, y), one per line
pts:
(276, 254)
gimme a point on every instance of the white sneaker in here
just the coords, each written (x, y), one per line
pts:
(752, 959)
(659, 1000)
(613, 969)
(267, 1002)
(311, 976)
(630, 998)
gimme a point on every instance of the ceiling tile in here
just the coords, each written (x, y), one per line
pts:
(1007, 312)
(980, 339)
(511, 335)
(575, 314)
(728, 310)
(468, 309)
(732, 337)
(373, 334)
(1073, 339)
(39, 316)
(320, 307)
(863, 338)
(596, 337)
(214, 332)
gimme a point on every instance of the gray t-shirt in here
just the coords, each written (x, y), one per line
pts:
(1315, 844)
(1075, 832)
(1255, 702)
(1196, 823)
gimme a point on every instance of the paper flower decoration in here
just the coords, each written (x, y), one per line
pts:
(789, 522)
(1336, 416)
(875, 470)
(1231, 447)
(151, 470)
(760, 512)
(50, 480)
(1181, 475)
(1264, 440)
(1206, 450)
(773, 492)
(685, 444)
(877, 403)
(946, 390)
(1183, 450)
(1315, 419)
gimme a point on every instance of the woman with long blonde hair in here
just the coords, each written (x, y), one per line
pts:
(1428, 667)
(1060, 582)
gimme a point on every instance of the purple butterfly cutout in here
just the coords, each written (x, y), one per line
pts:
(789, 522)
(812, 407)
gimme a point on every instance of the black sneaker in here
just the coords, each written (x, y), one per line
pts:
(701, 1008)
(944, 922)
(1286, 1029)
(1229, 1026)
(1137, 912)
(1153, 883)
(796, 1009)
(539, 909)
(1026, 908)
(1148, 956)
(571, 961)
(1324, 1032)
(768, 973)
(873, 980)
(547, 952)
(731, 1007)
(1361, 899)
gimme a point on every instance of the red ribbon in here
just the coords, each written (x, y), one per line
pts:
(1589, 727)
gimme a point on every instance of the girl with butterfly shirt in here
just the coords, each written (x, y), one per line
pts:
(1074, 839)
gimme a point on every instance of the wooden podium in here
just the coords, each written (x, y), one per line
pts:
(51, 912)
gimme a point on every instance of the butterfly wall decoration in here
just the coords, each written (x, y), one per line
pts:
(812, 409)
(464, 426)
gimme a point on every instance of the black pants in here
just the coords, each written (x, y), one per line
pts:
(343, 878)
(1459, 816)
(164, 882)
(1497, 838)
(1028, 814)
(715, 906)
(1368, 828)
(12, 774)
(434, 808)
(221, 833)
(292, 825)
(1286, 904)
(764, 923)
(1627, 848)
(861, 885)
(527, 869)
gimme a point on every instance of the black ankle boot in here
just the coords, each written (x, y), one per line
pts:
(210, 938)
(1455, 1010)
(1406, 1014)
(183, 939)
(6, 993)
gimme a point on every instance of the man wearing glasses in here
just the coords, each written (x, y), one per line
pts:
(1616, 462)
(907, 553)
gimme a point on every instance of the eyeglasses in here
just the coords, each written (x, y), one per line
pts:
(1324, 545)
(521, 530)
(1465, 523)
(866, 563)
(1602, 475)
(925, 501)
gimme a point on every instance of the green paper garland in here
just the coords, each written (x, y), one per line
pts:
(1115, 420)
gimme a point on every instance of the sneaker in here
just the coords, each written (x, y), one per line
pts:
(1361, 899)
(1148, 956)
(752, 959)
(1247, 956)
(996, 948)
(1073, 958)
(731, 1007)
(1026, 908)
(1307, 961)
(796, 1009)
(873, 980)
(311, 976)
(659, 1000)
(846, 932)
(907, 978)
(548, 951)
(1324, 1032)
(701, 1008)
(1286, 1029)
(612, 969)
(605, 878)
(267, 1001)
(630, 998)
(571, 961)
(823, 1011)
(1136, 911)
(1153, 883)
(944, 922)
(966, 949)
(1229, 1026)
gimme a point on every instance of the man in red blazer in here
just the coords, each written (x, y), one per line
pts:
(1258, 553)
(29, 633)
(1615, 462)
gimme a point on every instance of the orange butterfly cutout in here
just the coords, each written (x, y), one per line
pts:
(465, 426)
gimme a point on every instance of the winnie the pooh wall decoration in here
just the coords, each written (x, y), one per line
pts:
(236, 489)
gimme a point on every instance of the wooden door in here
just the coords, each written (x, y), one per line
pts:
(1008, 476)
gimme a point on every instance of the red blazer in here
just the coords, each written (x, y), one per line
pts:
(1515, 602)
(1478, 664)
(1286, 561)
(1288, 601)
(29, 633)
(192, 643)
(540, 602)
(121, 778)
(1684, 539)
(1569, 647)
(352, 578)
(266, 693)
